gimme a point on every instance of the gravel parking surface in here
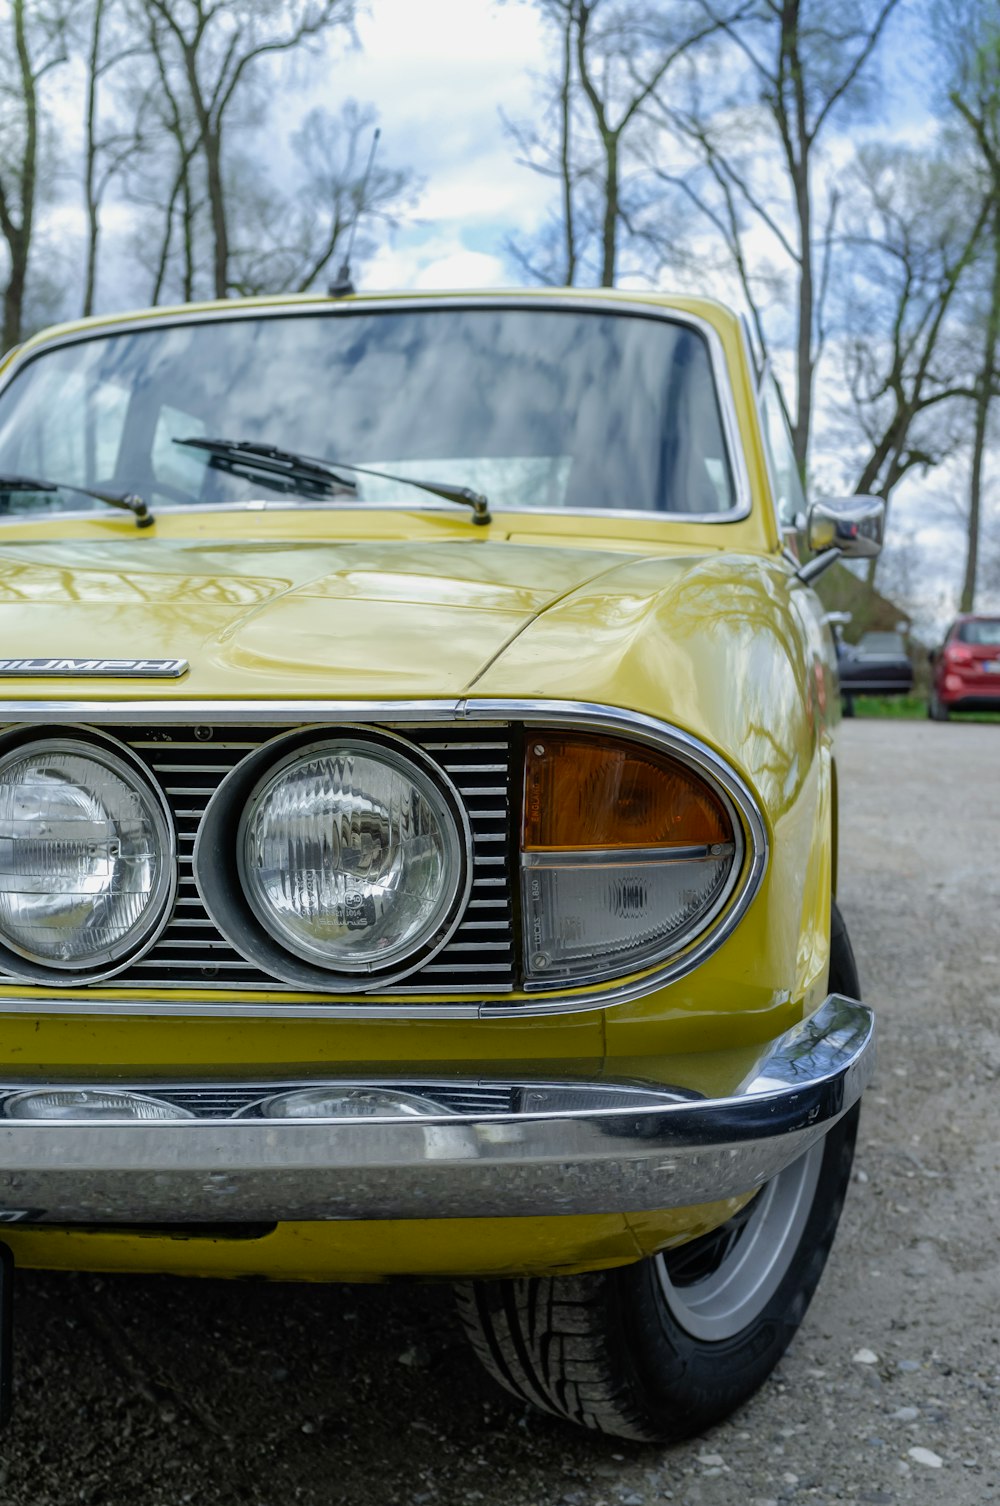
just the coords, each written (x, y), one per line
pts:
(157, 1391)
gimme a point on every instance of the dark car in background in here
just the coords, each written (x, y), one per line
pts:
(965, 674)
(877, 664)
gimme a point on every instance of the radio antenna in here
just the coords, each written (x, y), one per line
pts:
(342, 285)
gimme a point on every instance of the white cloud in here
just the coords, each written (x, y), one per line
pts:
(442, 261)
(462, 269)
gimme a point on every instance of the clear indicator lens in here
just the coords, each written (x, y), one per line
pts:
(350, 857)
(620, 916)
(83, 856)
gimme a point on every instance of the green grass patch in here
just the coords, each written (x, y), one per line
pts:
(900, 707)
(911, 708)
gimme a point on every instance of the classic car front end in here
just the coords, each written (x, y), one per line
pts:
(445, 886)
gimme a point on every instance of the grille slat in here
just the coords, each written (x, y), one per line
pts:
(475, 768)
(222, 1102)
(192, 953)
(472, 969)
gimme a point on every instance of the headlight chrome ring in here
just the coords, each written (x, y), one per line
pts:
(87, 858)
(342, 859)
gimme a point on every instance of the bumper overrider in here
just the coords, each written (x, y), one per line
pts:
(597, 1147)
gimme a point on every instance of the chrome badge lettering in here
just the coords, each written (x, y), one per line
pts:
(146, 669)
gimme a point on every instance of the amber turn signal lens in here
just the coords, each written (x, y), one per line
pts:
(582, 792)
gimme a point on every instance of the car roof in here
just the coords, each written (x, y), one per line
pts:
(707, 309)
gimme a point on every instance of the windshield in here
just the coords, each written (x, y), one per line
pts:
(537, 408)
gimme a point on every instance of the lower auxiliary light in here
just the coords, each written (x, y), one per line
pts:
(342, 1103)
(89, 1103)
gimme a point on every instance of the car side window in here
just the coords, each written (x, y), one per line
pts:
(789, 498)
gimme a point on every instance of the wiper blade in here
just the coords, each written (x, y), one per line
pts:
(281, 470)
(128, 501)
(320, 473)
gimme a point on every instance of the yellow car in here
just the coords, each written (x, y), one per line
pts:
(418, 825)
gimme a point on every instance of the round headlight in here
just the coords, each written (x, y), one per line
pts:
(350, 856)
(85, 855)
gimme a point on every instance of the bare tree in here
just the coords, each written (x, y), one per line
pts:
(107, 148)
(797, 65)
(208, 49)
(911, 240)
(970, 36)
(33, 43)
(161, 179)
(289, 250)
(555, 255)
(615, 56)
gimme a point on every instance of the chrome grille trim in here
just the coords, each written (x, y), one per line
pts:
(193, 955)
(473, 961)
(474, 713)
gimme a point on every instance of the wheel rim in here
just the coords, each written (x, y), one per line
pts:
(716, 1286)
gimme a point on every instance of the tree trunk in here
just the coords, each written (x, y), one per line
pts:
(209, 127)
(13, 300)
(188, 236)
(19, 236)
(805, 355)
(565, 163)
(212, 147)
(90, 165)
(163, 259)
(610, 235)
(984, 396)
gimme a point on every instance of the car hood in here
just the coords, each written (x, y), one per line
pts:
(342, 620)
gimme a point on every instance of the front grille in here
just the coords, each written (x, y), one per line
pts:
(223, 1100)
(189, 763)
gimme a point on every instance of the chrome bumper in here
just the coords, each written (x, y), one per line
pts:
(660, 1150)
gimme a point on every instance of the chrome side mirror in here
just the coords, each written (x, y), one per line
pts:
(842, 528)
(854, 525)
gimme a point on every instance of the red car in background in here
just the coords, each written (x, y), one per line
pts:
(966, 668)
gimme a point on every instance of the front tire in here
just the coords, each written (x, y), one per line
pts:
(663, 1349)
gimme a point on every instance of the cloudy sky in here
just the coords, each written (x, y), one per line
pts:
(438, 75)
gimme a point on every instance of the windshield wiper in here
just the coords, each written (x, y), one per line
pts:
(128, 501)
(281, 470)
(292, 468)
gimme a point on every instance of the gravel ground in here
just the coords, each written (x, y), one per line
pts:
(158, 1391)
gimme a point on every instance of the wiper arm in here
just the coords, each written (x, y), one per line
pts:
(464, 494)
(323, 474)
(128, 501)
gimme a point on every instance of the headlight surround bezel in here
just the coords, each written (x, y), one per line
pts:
(107, 752)
(218, 859)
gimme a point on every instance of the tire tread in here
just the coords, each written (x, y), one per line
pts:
(545, 1340)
